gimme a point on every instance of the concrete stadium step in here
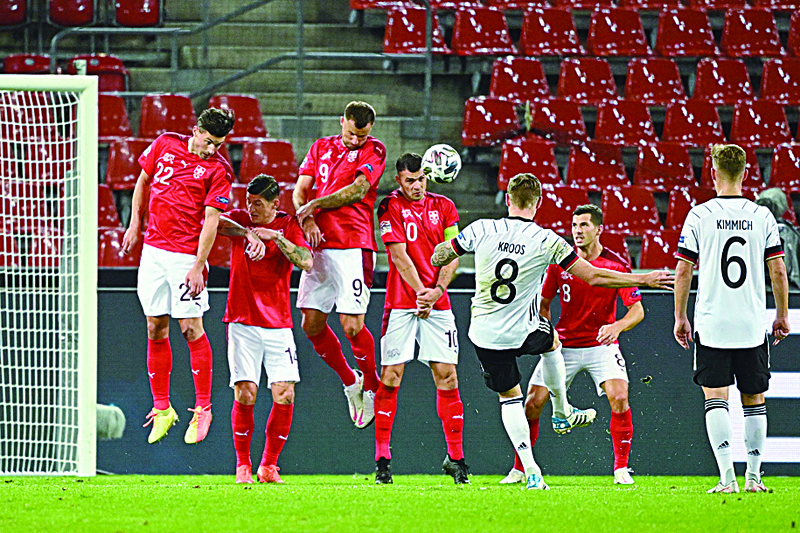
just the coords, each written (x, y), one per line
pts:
(241, 57)
(275, 11)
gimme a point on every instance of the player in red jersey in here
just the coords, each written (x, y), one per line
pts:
(345, 170)
(417, 311)
(260, 321)
(588, 329)
(188, 183)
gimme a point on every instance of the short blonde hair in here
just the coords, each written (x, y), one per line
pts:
(524, 191)
(729, 160)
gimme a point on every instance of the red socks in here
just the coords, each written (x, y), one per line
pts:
(159, 367)
(202, 364)
(330, 350)
(385, 409)
(363, 345)
(534, 427)
(278, 425)
(451, 411)
(242, 424)
(621, 428)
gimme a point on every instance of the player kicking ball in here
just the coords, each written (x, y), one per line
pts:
(417, 311)
(259, 320)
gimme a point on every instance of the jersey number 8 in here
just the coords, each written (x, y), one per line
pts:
(502, 281)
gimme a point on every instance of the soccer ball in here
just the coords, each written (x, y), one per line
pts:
(441, 163)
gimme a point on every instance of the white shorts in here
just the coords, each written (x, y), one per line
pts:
(161, 286)
(436, 335)
(340, 277)
(249, 347)
(601, 362)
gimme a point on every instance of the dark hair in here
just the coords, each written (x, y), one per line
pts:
(217, 122)
(590, 209)
(409, 161)
(524, 191)
(361, 113)
(264, 186)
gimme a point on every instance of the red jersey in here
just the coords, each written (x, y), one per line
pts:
(333, 167)
(183, 184)
(259, 290)
(420, 225)
(585, 309)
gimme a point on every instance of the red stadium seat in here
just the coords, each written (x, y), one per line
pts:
(379, 4)
(26, 64)
(488, 120)
(405, 32)
(794, 34)
(238, 196)
(587, 81)
(617, 32)
(779, 5)
(269, 156)
(50, 160)
(785, 171)
(220, 255)
(722, 82)
(166, 112)
(138, 13)
(454, 5)
(663, 167)
(44, 250)
(718, 5)
(682, 200)
(549, 32)
(24, 207)
(753, 180)
(516, 5)
(624, 122)
(30, 116)
(573, 5)
(558, 120)
(760, 124)
(112, 118)
(481, 31)
(9, 251)
(596, 166)
(653, 81)
(110, 71)
(616, 242)
(249, 122)
(519, 78)
(685, 32)
(123, 163)
(631, 210)
(9, 162)
(693, 123)
(658, 249)
(558, 204)
(650, 5)
(110, 249)
(780, 81)
(13, 13)
(71, 13)
(750, 33)
(529, 155)
(107, 216)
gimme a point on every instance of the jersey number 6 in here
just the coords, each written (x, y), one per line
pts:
(726, 261)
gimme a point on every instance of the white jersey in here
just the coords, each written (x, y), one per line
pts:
(511, 258)
(730, 238)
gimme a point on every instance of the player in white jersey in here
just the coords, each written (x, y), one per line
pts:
(511, 257)
(731, 238)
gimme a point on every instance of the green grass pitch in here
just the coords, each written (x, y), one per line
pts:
(354, 504)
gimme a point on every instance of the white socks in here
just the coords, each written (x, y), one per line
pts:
(513, 415)
(554, 375)
(718, 426)
(755, 436)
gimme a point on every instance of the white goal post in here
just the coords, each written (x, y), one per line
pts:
(48, 274)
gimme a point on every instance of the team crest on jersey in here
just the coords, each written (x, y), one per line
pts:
(169, 158)
(406, 212)
(680, 241)
(565, 275)
(434, 217)
(352, 155)
(386, 227)
(198, 172)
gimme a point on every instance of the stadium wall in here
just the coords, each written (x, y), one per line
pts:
(669, 429)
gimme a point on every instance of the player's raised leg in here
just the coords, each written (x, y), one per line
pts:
(565, 417)
(363, 344)
(621, 428)
(278, 426)
(385, 411)
(202, 364)
(159, 367)
(242, 424)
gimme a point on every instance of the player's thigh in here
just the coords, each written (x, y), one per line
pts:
(604, 363)
(280, 356)
(399, 336)
(245, 353)
(316, 290)
(152, 285)
(499, 368)
(351, 275)
(183, 304)
(438, 338)
(751, 369)
(713, 367)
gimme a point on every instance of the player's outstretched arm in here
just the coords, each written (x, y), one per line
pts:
(255, 247)
(603, 277)
(683, 282)
(443, 254)
(780, 289)
(347, 195)
(300, 256)
(140, 194)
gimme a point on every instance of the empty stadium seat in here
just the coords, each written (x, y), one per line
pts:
(650, 5)
(582, 4)
(405, 32)
(249, 122)
(112, 76)
(617, 32)
(794, 34)
(596, 166)
(779, 5)
(753, 180)
(750, 33)
(760, 124)
(518, 78)
(718, 5)
(682, 200)
(112, 118)
(44, 250)
(533, 156)
(549, 32)
(71, 13)
(693, 123)
(238, 196)
(685, 32)
(630, 210)
(137, 13)
(109, 250)
(587, 81)
(50, 160)
(653, 81)
(31, 115)
(488, 120)
(13, 12)
(558, 120)
(26, 64)
(220, 255)
(722, 82)
(481, 31)
(558, 204)
(123, 163)
(785, 171)
(24, 207)
(268, 156)
(624, 122)
(9, 251)
(658, 249)
(9, 164)
(780, 81)
(379, 4)
(107, 216)
(663, 167)
(616, 242)
(516, 5)
(166, 112)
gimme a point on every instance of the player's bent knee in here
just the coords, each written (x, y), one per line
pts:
(283, 392)
(158, 327)
(245, 392)
(352, 324)
(192, 328)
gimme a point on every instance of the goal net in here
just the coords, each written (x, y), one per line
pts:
(48, 274)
